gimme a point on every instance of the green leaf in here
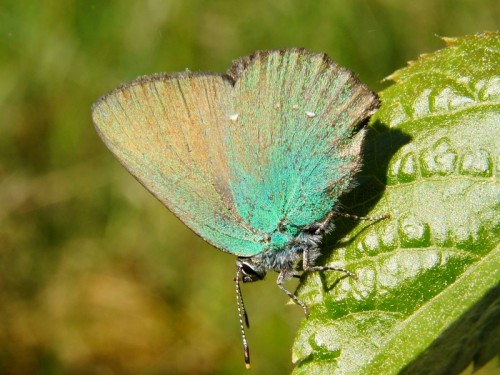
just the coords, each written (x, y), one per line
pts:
(427, 299)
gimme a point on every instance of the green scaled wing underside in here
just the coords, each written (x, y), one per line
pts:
(270, 144)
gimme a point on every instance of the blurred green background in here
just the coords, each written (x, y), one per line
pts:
(96, 276)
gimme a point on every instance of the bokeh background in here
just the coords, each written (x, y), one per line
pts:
(96, 276)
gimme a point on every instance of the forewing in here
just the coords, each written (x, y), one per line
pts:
(297, 144)
(169, 132)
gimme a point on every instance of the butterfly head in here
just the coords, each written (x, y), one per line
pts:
(252, 269)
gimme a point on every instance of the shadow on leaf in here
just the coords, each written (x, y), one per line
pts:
(474, 337)
(381, 144)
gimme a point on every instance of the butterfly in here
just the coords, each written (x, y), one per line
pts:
(253, 160)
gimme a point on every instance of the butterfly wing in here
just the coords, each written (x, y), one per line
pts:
(297, 143)
(168, 131)
(234, 156)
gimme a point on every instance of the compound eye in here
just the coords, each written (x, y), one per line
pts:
(248, 270)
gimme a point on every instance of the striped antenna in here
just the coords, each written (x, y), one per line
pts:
(243, 317)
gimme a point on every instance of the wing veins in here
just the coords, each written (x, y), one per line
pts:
(290, 197)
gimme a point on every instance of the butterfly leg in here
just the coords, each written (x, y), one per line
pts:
(356, 217)
(311, 268)
(283, 276)
(323, 225)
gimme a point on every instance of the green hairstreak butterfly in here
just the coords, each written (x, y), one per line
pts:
(253, 160)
